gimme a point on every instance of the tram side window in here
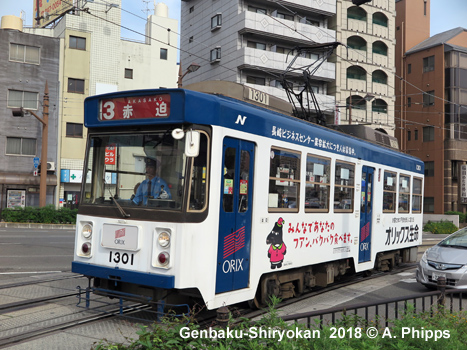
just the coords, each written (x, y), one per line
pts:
(198, 188)
(284, 180)
(417, 196)
(318, 177)
(389, 192)
(404, 194)
(344, 187)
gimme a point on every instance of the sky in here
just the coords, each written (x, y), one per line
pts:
(445, 14)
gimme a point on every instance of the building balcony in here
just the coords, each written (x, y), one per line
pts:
(292, 32)
(276, 63)
(380, 89)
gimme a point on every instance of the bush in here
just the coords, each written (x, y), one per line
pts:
(441, 227)
(45, 215)
(436, 329)
(462, 216)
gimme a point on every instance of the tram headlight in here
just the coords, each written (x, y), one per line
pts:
(86, 248)
(164, 239)
(163, 258)
(86, 231)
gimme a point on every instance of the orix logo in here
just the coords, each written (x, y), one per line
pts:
(118, 235)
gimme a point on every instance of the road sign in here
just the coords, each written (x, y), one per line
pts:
(36, 162)
(35, 172)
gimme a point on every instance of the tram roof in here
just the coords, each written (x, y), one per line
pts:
(192, 107)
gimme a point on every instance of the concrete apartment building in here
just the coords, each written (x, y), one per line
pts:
(364, 85)
(248, 42)
(94, 60)
(27, 62)
(431, 106)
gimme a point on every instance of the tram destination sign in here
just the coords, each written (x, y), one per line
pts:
(135, 107)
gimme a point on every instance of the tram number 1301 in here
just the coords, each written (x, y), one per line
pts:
(124, 258)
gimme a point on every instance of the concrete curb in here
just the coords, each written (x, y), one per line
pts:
(38, 226)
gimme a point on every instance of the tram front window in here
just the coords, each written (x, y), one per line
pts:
(137, 170)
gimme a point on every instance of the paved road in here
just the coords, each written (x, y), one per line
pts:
(25, 252)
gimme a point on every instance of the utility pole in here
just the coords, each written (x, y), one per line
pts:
(19, 112)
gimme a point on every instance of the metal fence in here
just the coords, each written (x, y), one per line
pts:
(379, 313)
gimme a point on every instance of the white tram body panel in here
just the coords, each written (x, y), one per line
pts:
(291, 247)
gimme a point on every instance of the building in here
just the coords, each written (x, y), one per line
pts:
(27, 62)
(432, 104)
(364, 85)
(95, 60)
(252, 42)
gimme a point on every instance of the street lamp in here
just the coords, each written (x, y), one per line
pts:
(191, 68)
(19, 112)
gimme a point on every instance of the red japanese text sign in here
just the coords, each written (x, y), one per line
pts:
(137, 107)
(110, 154)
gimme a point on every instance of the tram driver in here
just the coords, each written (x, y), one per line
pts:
(153, 187)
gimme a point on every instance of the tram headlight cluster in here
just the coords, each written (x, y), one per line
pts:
(164, 239)
(162, 247)
(86, 234)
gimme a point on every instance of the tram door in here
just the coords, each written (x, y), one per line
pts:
(236, 199)
(365, 214)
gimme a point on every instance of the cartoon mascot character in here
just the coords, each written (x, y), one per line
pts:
(277, 250)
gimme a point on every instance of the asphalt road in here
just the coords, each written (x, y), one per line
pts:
(25, 252)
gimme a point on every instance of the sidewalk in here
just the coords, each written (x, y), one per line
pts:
(38, 226)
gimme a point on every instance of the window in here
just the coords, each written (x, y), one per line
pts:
(428, 64)
(20, 146)
(255, 80)
(284, 180)
(409, 101)
(380, 48)
(318, 177)
(257, 10)
(128, 73)
(192, 9)
(379, 77)
(255, 45)
(429, 169)
(415, 135)
(190, 40)
(357, 13)
(24, 53)
(380, 19)
(215, 54)
(428, 205)
(355, 72)
(409, 68)
(77, 43)
(198, 187)
(429, 98)
(389, 192)
(74, 130)
(216, 21)
(417, 196)
(428, 133)
(25, 99)
(404, 194)
(284, 16)
(163, 54)
(344, 187)
(379, 106)
(409, 135)
(76, 85)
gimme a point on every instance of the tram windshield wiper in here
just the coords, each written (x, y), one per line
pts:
(120, 209)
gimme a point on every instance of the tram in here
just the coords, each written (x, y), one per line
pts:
(194, 195)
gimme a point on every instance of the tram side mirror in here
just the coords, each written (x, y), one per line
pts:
(192, 143)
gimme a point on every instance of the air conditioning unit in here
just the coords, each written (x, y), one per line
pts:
(50, 166)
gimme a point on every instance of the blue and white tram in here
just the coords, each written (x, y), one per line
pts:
(247, 202)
